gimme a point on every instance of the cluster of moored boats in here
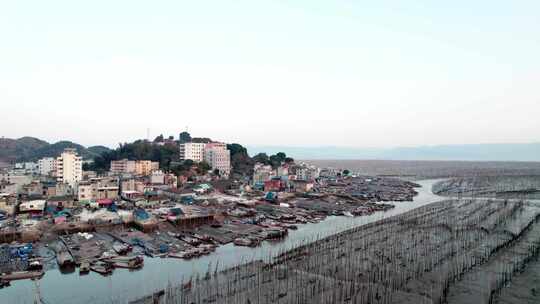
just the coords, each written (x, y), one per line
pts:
(198, 245)
(103, 265)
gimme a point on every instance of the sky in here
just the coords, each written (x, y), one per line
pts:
(288, 73)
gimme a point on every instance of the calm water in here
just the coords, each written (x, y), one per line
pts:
(125, 285)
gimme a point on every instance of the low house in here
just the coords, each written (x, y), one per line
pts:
(301, 185)
(131, 194)
(34, 207)
(61, 202)
(202, 188)
(274, 185)
(8, 203)
(178, 195)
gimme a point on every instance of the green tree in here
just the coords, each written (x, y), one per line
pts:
(203, 167)
(261, 158)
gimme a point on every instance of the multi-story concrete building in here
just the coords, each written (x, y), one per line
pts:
(47, 166)
(139, 167)
(13, 182)
(192, 151)
(218, 157)
(69, 168)
(307, 172)
(145, 167)
(98, 188)
(123, 166)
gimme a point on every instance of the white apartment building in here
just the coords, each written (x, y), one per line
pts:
(218, 157)
(47, 166)
(69, 168)
(193, 151)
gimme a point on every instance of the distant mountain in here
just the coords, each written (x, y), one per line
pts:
(478, 152)
(31, 149)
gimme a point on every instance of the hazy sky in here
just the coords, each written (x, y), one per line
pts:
(303, 73)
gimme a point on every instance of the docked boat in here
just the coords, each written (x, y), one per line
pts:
(243, 242)
(21, 275)
(65, 259)
(133, 262)
(102, 268)
(35, 265)
(121, 249)
(84, 268)
(181, 255)
(4, 283)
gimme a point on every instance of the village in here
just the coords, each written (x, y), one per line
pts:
(54, 214)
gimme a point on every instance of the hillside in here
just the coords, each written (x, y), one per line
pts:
(31, 149)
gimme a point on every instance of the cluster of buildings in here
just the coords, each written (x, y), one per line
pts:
(287, 177)
(64, 169)
(57, 188)
(60, 182)
(215, 154)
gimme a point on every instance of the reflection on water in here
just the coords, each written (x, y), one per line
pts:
(124, 285)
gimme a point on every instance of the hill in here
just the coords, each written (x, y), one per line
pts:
(31, 149)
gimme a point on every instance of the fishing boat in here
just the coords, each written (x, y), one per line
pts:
(65, 259)
(21, 275)
(4, 283)
(181, 255)
(35, 265)
(121, 249)
(84, 268)
(243, 242)
(102, 268)
(133, 262)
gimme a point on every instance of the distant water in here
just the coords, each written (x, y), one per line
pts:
(421, 169)
(125, 285)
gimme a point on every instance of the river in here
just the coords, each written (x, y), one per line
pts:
(125, 285)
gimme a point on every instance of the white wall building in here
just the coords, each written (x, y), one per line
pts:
(157, 177)
(27, 167)
(218, 157)
(69, 168)
(47, 166)
(193, 151)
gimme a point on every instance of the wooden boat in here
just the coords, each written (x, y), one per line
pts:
(121, 249)
(244, 242)
(4, 283)
(84, 268)
(181, 255)
(34, 265)
(64, 259)
(134, 262)
(102, 268)
(21, 275)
